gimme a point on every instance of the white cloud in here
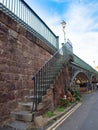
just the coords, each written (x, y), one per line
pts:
(79, 30)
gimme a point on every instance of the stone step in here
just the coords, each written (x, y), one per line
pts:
(29, 98)
(31, 92)
(29, 105)
(22, 115)
(26, 106)
(41, 92)
(18, 125)
(40, 106)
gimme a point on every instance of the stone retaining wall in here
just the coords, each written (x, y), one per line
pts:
(21, 55)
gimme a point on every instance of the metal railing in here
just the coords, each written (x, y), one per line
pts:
(69, 45)
(84, 65)
(22, 13)
(46, 75)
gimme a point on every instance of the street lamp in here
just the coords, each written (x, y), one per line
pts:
(63, 23)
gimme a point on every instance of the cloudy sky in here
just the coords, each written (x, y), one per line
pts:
(81, 17)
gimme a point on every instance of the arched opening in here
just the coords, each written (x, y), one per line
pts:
(80, 81)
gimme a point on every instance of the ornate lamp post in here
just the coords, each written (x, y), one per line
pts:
(63, 23)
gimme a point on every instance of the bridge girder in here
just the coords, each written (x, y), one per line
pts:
(81, 74)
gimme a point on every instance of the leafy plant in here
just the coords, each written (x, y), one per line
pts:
(50, 113)
(77, 95)
(60, 109)
(64, 102)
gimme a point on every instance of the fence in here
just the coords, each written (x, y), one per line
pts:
(22, 13)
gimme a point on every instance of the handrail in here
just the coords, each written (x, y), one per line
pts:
(63, 45)
(45, 63)
(23, 13)
(50, 69)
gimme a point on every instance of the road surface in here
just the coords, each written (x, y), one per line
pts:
(85, 117)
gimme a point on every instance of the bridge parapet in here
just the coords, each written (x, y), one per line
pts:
(23, 14)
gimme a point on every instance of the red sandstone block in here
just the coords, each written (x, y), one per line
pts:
(49, 92)
(13, 33)
(30, 36)
(6, 96)
(21, 30)
(3, 32)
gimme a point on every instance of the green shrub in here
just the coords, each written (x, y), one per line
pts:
(60, 109)
(77, 95)
(50, 113)
(64, 102)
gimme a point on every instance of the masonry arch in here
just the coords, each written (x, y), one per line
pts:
(80, 80)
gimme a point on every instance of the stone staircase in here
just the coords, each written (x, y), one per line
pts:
(43, 80)
(22, 118)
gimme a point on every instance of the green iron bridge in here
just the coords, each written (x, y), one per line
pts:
(63, 62)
